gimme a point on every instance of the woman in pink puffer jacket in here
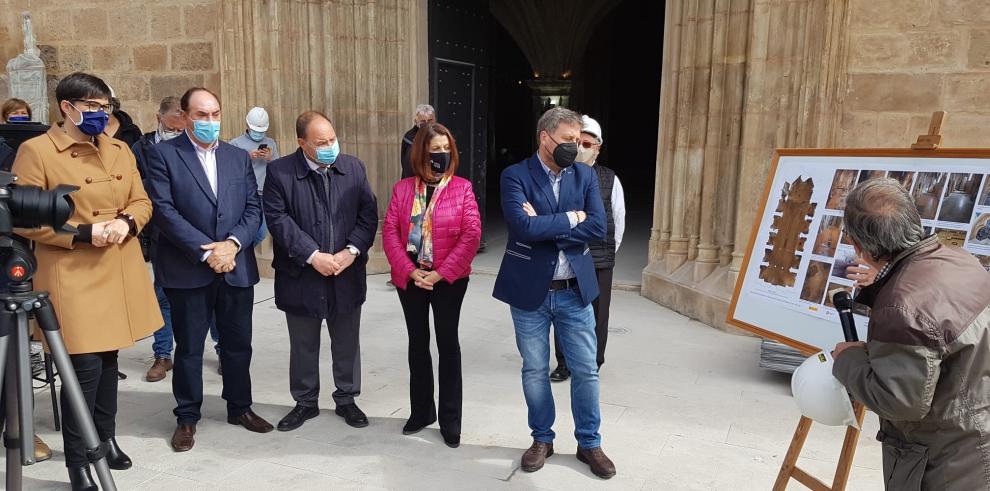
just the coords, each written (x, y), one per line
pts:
(431, 234)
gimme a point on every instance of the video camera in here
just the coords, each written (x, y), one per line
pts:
(29, 207)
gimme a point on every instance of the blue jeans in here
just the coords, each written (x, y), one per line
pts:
(262, 232)
(163, 337)
(574, 325)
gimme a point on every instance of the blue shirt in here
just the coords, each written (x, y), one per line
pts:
(564, 270)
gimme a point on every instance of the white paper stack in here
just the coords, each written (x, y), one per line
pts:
(779, 357)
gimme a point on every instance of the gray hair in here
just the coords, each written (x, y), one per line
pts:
(169, 104)
(882, 218)
(554, 117)
(425, 109)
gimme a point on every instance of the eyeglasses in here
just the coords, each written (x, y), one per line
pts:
(587, 144)
(92, 106)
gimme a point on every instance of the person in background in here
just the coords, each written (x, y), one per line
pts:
(603, 251)
(431, 235)
(323, 217)
(262, 150)
(12, 111)
(207, 212)
(424, 114)
(15, 110)
(121, 126)
(553, 210)
(99, 284)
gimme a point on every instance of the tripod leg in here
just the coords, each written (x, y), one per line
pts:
(50, 378)
(25, 399)
(12, 427)
(74, 400)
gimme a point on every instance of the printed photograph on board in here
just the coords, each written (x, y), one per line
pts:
(960, 198)
(843, 182)
(814, 282)
(927, 193)
(828, 236)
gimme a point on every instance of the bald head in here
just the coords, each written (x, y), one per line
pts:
(314, 130)
(882, 219)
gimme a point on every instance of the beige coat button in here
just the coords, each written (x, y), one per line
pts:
(75, 154)
(89, 180)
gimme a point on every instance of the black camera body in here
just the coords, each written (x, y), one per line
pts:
(29, 207)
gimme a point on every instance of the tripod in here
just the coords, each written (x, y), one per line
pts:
(15, 371)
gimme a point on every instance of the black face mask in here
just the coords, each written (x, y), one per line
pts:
(565, 153)
(440, 162)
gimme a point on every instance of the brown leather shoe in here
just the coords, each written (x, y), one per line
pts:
(182, 439)
(158, 369)
(600, 464)
(41, 450)
(536, 455)
(251, 421)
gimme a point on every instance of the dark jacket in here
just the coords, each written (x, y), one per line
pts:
(603, 251)
(149, 235)
(925, 370)
(301, 221)
(128, 132)
(7, 155)
(534, 243)
(407, 141)
(188, 215)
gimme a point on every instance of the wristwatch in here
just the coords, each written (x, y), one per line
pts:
(354, 250)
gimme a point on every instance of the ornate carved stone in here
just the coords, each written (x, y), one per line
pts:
(26, 74)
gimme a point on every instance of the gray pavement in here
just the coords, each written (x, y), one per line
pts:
(684, 407)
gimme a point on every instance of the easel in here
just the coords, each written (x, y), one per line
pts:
(789, 469)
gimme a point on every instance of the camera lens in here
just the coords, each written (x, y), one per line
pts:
(33, 207)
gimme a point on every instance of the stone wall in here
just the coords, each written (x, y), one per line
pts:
(908, 58)
(743, 77)
(144, 50)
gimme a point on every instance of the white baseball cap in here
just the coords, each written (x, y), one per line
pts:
(591, 127)
(257, 119)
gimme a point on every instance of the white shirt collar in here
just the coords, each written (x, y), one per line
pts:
(198, 147)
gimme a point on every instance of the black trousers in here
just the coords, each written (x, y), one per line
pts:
(601, 306)
(97, 373)
(192, 310)
(304, 357)
(446, 300)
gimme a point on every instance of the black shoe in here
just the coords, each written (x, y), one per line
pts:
(452, 440)
(560, 374)
(297, 417)
(116, 458)
(352, 415)
(413, 427)
(81, 479)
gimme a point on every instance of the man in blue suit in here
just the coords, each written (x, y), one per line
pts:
(553, 210)
(208, 212)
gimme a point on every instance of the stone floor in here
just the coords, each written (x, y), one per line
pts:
(684, 407)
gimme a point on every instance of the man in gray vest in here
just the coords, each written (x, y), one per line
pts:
(604, 251)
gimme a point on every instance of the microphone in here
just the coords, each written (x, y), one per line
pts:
(844, 304)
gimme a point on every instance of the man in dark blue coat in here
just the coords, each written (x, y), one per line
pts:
(553, 210)
(323, 217)
(207, 212)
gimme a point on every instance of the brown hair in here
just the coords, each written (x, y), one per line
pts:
(184, 101)
(12, 105)
(419, 153)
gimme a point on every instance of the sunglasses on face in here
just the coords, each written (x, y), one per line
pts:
(587, 144)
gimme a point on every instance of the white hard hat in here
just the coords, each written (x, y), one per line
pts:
(257, 119)
(819, 395)
(591, 127)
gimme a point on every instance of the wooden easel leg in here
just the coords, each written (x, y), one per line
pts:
(844, 466)
(793, 452)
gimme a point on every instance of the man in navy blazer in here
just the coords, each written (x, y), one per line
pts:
(553, 210)
(208, 212)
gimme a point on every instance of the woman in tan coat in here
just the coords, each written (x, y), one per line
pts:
(99, 284)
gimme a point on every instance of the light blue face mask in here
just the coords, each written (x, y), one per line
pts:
(327, 155)
(256, 135)
(206, 131)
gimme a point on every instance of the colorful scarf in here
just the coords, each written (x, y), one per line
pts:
(420, 241)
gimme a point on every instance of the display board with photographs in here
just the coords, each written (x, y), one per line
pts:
(800, 252)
